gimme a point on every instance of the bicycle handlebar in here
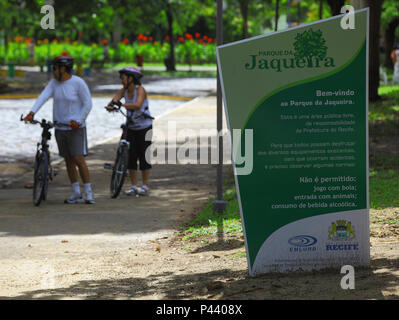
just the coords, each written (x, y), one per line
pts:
(118, 108)
(44, 122)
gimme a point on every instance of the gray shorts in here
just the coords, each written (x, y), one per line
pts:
(71, 143)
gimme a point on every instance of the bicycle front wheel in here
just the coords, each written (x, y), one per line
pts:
(40, 178)
(119, 170)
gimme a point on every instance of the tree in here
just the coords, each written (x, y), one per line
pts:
(244, 13)
(276, 16)
(374, 37)
(389, 23)
(170, 61)
(336, 6)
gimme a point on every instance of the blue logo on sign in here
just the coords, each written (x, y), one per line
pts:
(302, 241)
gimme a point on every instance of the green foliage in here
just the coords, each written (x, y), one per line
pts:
(390, 12)
(187, 51)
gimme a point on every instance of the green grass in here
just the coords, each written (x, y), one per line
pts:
(156, 64)
(384, 181)
(208, 222)
(197, 73)
(384, 114)
(388, 107)
(194, 74)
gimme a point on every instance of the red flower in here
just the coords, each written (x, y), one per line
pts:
(167, 38)
(205, 37)
(140, 36)
(125, 41)
(197, 35)
(200, 41)
(181, 39)
(150, 38)
(80, 34)
(209, 40)
(144, 38)
(189, 36)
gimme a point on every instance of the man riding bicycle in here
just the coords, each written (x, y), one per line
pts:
(72, 104)
(138, 124)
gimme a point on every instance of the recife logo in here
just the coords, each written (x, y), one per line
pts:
(341, 233)
(341, 230)
(302, 243)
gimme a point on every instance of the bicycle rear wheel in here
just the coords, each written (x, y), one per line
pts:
(40, 178)
(119, 171)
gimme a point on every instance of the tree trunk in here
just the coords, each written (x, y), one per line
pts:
(276, 15)
(374, 37)
(170, 61)
(389, 39)
(374, 58)
(244, 14)
(336, 6)
(321, 9)
(116, 33)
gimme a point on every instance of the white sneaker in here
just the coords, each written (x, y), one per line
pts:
(143, 191)
(90, 197)
(74, 198)
(132, 191)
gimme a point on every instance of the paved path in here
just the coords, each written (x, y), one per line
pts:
(33, 238)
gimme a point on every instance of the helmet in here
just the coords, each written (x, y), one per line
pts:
(66, 61)
(131, 71)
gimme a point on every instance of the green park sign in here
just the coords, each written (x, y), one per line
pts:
(301, 98)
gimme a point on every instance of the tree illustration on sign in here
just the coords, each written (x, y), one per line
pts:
(310, 44)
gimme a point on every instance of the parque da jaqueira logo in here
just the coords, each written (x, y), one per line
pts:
(309, 51)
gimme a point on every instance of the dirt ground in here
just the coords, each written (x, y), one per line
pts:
(67, 264)
(121, 250)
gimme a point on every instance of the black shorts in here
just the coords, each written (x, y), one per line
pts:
(138, 147)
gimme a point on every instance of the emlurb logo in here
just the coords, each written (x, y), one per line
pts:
(310, 52)
(302, 241)
(341, 230)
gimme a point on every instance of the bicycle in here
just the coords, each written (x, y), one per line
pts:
(43, 171)
(119, 169)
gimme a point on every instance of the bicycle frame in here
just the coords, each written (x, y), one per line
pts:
(119, 169)
(42, 158)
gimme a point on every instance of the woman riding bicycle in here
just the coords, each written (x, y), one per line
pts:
(139, 122)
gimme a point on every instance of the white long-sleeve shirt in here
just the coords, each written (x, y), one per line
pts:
(72, 101)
